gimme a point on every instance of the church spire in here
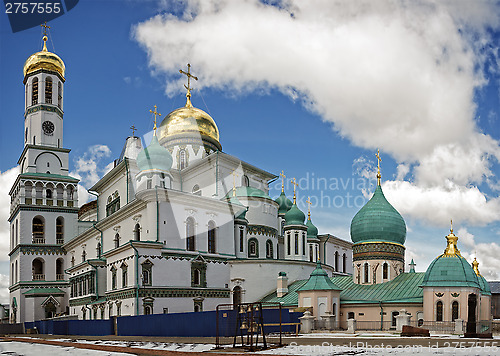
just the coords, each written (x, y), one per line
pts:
(44, 38)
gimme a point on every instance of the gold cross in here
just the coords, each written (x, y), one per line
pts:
(308, 201)
(45, 27)
(234, 182)
(295, 184)
(379, 176)
(133, 128)
(188, 87)
(282, 175)
(156, 113)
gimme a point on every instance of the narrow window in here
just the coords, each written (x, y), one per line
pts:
(367, 272)
(59, 230)
(269, 249)
(454, 310)
(336, 261)
(394, 315)
(190, 235)
(344, 263)
(34, 92)
(113, 277)
(241, 239)
(84, 256)
(196, 277)
(385, 271)
(38, 230)
(73, 261)
(182, 159)
(117, 240)
(296, 243)
(98, 250)
(211, 236)
(59, 95)
(288, 244)
(245, 182)
(303, 243)
(137, 232)
(311, 256)
(439, 311)
(48, 90)
(124, 275)
(253, 248)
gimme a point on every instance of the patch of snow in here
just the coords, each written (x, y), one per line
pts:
(15, 348)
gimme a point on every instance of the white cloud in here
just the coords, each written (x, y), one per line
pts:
(7, 179)
(4, 289)
(400, 76)
(486, 253)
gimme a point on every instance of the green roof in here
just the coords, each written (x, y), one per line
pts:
(312, 231)
(154, 156)
(294, 216)
(318, 280)
(248, 192)
(48, 175)
(485, 287)
(450, 271)
(405, 288)
(284, 203)
(43, 291)
(378, 221)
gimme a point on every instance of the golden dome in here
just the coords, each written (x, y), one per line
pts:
(187, 121)
(44, 60)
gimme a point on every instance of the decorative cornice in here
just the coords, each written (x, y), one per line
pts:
(40, 250)
(42, 208)
(42, 107)
(179, 292)
(262, 230)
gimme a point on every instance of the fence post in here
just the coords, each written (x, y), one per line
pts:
(306, 322)
(351, 326)
(459, 327)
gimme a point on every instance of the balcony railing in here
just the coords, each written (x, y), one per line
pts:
(38, 240)
(59, 241)
(38, 277)
(60, 277)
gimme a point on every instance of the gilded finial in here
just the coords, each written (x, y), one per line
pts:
(155, 113)
(451, 226)
(44, 38)
(282, 175)
(295, 184)
(475, 266)
(133, 128)
(379, 176)
(451, 248)
(188, 87)
(308, 201)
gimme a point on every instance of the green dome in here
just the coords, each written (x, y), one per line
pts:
(294, 216)
(312, 231)
(284, 203)
(154, 156)
(450, 271)
(485, 287)
(378, 221)
(319, 280)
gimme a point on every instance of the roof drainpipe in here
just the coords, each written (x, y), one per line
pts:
(136, 278)
(381, 316)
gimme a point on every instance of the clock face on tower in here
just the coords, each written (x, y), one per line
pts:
(48, 127)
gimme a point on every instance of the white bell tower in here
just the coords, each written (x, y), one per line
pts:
(44, 199)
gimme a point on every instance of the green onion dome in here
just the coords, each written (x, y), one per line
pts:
(312, 231)
(154, 156)
(450, 269)
(294, 216)
(378, 221)
(284, 203)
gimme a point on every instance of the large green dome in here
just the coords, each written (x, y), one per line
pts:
(154, 156)
(450, 269)
(294, 216)
(378, 221)
(284, 203)
(312, 231)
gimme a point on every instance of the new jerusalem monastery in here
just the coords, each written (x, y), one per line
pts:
(182, 226)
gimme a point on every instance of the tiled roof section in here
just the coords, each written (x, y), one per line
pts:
(405, 288)
(495, 287)
(44, 291)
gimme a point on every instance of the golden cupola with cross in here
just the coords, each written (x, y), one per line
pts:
(189, 126)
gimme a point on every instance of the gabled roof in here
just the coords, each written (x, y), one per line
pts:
(44, 291)
(405, 288)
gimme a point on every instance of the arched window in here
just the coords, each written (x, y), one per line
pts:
(336, 261)
(182, 159)
(147, 310)
(84, 256)
(15, 273)
(137, 232)
(190, 235)
(334, 309)
(113, 277)
(439, 311)
(385, 271)
(34, 92)
(59, 95)
(38, 230)
(196, 277)
(59, 269)
(117, 240)
(48, 193)
(38, 269)
(296, 243)
(366, 272)
(253, 248)
(236, 295)
(72, 261)
(454, 310)
(311, 253)
(48, 90)
(147, 273)
(269, 249)
(124, 275)
(344, 263)
(211, 236)
(245, 182)
(60, 230)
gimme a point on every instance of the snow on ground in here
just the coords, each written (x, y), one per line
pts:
(332, 350)
(14, 348)
(147, 345)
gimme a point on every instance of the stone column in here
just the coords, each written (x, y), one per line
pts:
(459, 330)
(329, 320)
(402, 319)
(306, 322)
(351, 326)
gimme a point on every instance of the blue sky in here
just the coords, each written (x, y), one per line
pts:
(311, 88)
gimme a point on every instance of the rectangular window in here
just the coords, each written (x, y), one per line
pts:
(241, 240)
(296, 243)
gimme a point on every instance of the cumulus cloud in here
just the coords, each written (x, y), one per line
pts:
(7, 179)
(4, 289)
(486, 253)
(396, 75)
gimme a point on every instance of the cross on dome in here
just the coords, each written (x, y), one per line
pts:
(188, 87)
(155, 113)
(282, 175)
(295, 184)
(379, 176)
